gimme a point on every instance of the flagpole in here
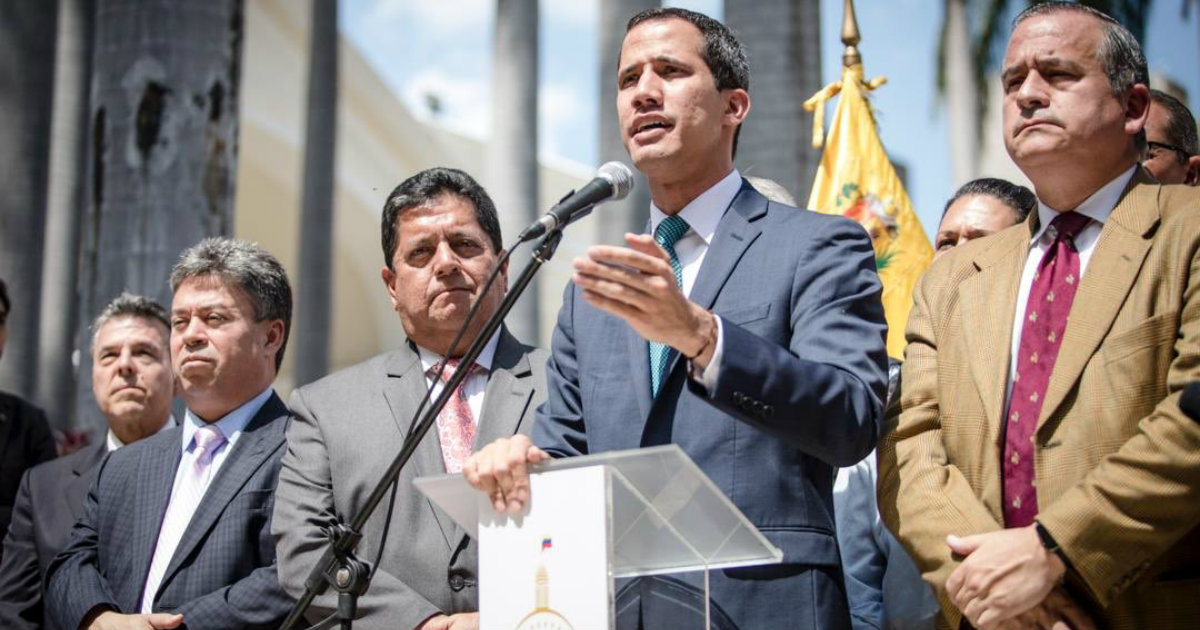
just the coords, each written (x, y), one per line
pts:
(850, 35)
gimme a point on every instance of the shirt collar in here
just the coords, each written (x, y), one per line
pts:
(1097, 207)
(430, 358)
(231, 425)
(704, 212)
(113, 442)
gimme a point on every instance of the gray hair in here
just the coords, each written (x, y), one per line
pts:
(130, 305)
(1119, 53)
(772, 190)
(250, 268)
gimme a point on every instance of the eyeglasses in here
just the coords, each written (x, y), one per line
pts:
(1155, 149)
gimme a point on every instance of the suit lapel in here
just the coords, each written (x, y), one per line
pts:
(261, 437)
(987, 300)
(508, 392)
(404, 391)
(735, 233)
(505, 405)
(77, 487)
(156, 478)
(1110, 275)
(639, 367)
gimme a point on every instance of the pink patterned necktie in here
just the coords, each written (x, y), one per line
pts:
(456, 422)
(195, 478)
(1050, 298)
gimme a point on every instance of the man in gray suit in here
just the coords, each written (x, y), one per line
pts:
(175, 529)
(133, 386)
(441, 240)
(747, 332)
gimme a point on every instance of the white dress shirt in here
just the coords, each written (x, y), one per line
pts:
(231, 427)
(113, 442)
(702, 214)
(188, 488)
(1096, 207)
(476, 384)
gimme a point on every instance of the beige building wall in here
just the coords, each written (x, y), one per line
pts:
(379, 144)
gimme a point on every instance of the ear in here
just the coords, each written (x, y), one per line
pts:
(737, 106)
(1193, 171)
(389, 282)
(274, 335)
(1137, 108)
(503, 270)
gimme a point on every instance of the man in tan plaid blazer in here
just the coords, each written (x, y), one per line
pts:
(1116, 464)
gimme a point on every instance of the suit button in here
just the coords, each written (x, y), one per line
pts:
(768, 411)
(457, 582)
(739, 398)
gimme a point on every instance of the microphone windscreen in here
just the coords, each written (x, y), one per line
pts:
(620, 176)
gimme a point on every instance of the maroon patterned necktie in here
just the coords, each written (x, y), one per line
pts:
(456, 422)
(1050, 298)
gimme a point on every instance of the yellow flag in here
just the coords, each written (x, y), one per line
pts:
(855, 179)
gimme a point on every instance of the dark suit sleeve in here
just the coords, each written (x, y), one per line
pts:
(74, 585)
(41, 438)
(30, 442)
(559, 426)
(822, 393)
(303, 506)
(20, 579)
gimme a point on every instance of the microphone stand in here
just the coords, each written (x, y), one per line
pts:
(338, 567)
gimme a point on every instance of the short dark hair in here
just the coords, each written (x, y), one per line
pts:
(250, 268)
(423, 189)
(1119, 53)
(1181, 126)
(131, 305)
(4, 297)
(723, 53)
(1020, 199)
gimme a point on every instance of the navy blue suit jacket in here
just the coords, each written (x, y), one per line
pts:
(800, 392)
(222, 574)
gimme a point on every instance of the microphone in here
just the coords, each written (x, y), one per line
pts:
(613, 182)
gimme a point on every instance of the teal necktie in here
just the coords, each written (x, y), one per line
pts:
(668, 232)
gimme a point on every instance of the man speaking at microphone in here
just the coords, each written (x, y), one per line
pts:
(441, 241)
(748, 332)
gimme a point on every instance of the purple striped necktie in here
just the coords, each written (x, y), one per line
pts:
(196, 476)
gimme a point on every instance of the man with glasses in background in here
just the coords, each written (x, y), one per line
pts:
(1172, 151)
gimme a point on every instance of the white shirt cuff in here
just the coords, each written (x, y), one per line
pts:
(707, 377)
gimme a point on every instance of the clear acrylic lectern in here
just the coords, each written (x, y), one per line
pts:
(660, 512)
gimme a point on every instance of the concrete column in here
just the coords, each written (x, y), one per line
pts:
(60, 266)
(783, 41)
(162, 158)
(26, 90)
(314, 283)
(962, 98)
(631, 213)
(511, 165)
